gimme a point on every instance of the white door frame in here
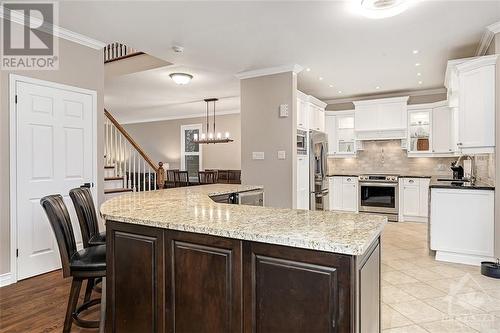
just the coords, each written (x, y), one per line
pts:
(13, 79)
(200, 152)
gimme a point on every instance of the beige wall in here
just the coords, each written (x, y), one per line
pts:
(412, 100)
(78, 66)
(263, 131)
(162, 141)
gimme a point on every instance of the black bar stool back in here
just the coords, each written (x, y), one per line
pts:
(87, 217)
(88, 263)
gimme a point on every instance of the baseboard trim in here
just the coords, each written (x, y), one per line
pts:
(5, 279)
(459, 258)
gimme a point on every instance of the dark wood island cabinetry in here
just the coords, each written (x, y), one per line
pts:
(165, 280)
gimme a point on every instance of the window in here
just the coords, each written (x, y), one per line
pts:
(191, 153)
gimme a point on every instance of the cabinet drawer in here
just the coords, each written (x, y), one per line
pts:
(411, 181)
(349, 180)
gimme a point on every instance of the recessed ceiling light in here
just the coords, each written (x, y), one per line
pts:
(377, 87)
(417, 64)
(331, 85)
(181, 78)
(415, 51)
(420, 82)
(419, 74)
(340, 91)
(308, 69)
(321, 78)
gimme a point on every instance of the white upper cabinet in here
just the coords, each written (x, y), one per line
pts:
(381, 118)
(471, 90)
(442, 130)
(310, 112)
(341, 133)
(431, 130)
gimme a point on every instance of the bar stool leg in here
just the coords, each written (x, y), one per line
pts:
(76, 285)
(88, 290)
(102, 324)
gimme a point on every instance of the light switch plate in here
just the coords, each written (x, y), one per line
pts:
(258, 155)
(283, 110)
(281, 155)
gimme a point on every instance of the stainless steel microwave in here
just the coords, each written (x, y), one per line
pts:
(301, 142)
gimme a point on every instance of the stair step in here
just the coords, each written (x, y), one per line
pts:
(117, 190)
(113, 178)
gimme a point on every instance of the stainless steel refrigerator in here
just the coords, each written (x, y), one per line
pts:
(318, 183)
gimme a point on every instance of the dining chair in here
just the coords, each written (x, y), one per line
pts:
(206, 177)
(181, 178)
(171, 178)
(234, 176)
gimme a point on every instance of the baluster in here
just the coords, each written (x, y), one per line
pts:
(109, 142)
(144, 177)
(135, 175)
(149, 178)
(129, 183)
(155, 185)
(115, 151)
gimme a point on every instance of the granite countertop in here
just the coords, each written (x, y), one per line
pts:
(191, 209)
(449, 184)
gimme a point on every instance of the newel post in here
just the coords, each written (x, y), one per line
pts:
(160, 176)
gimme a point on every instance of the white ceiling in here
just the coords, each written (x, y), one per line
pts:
(352, 53)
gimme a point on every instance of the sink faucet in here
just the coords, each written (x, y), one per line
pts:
(468, 177)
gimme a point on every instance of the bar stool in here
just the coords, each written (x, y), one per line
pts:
(87, 219)
(88, 263)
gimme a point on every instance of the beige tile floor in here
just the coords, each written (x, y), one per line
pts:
(420, 294)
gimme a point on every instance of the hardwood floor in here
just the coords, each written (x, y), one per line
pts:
(38, 304)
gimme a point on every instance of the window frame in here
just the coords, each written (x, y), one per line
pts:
(184, 153)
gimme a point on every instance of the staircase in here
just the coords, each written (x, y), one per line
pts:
(127, 167)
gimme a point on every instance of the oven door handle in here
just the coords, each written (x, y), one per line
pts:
(378, 184)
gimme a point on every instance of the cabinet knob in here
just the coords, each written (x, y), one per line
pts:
(459, 143)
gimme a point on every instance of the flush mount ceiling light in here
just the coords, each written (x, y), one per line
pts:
(181, 78)
(378, 9)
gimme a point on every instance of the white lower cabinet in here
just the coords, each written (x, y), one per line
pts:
(343, 193)
(462, 225)
(413, 199)
(302, 182)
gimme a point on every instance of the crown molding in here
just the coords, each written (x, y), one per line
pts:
(409, 93)
(194, 115)
(487, 37)
(53, 29)
(269, 71)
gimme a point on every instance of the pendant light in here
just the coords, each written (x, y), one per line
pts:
(211, 136)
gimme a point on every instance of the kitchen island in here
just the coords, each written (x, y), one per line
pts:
(179, 262)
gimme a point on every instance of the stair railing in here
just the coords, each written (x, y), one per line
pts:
(139, 172)
(116, 51)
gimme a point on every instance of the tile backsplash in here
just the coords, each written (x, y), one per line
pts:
(388, 157)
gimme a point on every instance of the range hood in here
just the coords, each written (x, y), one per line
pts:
(381, 119)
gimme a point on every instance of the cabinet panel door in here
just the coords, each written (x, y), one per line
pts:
(391, 116)
(321, 119)
(366, 117)
(442, 130)
(424, 197)
(337, 193)
(302, 115)
(135, 301)
(293, 290)
(411, 197)
(477, 108)
(349, 197)
(205, 283)
(331, 131)
(303, 182)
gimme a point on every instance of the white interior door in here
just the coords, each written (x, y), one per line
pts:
(55, 153)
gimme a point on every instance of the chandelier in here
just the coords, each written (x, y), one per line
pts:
(211, 136)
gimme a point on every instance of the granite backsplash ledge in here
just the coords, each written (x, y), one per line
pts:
(388, 157)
